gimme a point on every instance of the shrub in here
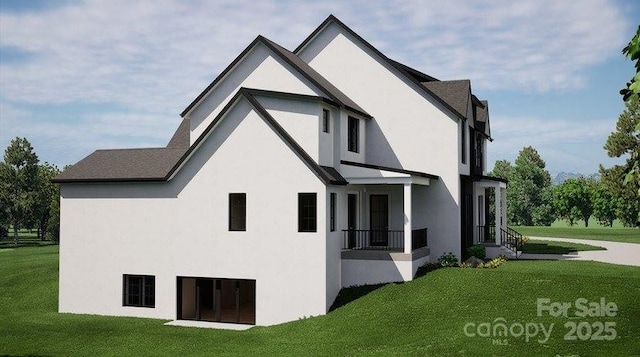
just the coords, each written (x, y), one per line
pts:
(477, 251)
(448, 260)
(494, 263)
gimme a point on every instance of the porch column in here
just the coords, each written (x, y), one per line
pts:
(498, 200)
(407, 218)
(503, 196)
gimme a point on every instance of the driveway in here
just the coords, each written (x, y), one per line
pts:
(616, 253)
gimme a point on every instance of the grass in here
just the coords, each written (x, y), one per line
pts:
(26, 238)
(625, 235)
(551, 247)
(422, 317)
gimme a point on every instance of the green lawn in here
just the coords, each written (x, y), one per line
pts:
(551, 247)
(423, 317)
(627, 235)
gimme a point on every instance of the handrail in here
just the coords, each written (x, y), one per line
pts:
(382, 239)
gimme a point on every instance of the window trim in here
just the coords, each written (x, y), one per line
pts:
(145, 281)
(313, 227)
(353, 134)
(244, 213)
(326, 121)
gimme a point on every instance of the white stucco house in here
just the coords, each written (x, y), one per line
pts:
(292, 175)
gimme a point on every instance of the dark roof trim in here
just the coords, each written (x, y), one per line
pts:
(279, 51)
(398, 66)
(385, 168)
(296, 96)
(111, 180)
(422, 77)
(490, 178)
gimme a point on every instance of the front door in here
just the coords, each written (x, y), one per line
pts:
(379, 226)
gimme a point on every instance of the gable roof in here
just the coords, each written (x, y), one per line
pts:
(456, 93)
(409, 73)
(482, 120)
(161, 164)
(181, 137)
(297, 64)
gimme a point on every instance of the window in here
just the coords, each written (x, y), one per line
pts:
(139, 290)
(237, 211)
(463, 145)
(325, 120)
(306, 212)
(332, 212)
(353, 134)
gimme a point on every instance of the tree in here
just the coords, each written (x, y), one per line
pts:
(632, 52)
(626, 196)
(18, 182)
(604, 205)
(46, 192)
(529, 193)
(573, 200)
(530, 196)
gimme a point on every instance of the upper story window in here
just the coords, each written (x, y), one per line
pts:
(307, 221)
(139, 290)
(326, 120)
(353, 134)
(237, 211)
(463, 140)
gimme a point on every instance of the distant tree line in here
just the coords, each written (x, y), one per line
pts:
(28, 198)
(532, 200)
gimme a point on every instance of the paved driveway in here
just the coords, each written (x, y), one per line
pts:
(616, 253)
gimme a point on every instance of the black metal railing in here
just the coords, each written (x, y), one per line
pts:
(382, 239)
(486, 234)
(418, 238)
(511, 239)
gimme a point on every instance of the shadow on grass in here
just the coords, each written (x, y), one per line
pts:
(553, 248)
(350, 294)
(23, 243)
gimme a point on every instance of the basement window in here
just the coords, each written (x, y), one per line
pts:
(139, 290)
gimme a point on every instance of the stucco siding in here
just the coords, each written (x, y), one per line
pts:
(260, 69)
(409, 129)
(180, 228)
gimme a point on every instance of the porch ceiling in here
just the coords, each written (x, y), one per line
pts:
(368, 175)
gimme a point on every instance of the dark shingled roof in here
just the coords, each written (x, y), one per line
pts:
(482, 120)
(456, 93)
(181, 138)
(154, 164)
(299, 65)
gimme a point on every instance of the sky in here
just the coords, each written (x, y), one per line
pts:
(77, 76)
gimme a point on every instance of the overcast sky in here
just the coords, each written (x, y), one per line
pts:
(76, 76)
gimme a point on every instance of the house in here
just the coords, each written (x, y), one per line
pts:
(292, 175)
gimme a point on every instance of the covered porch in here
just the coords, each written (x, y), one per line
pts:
(386, 237)
(490, 220)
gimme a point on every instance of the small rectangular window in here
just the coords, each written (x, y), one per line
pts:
(307, 212)
(237, 211)
(463, 145)
(325, 120)
(332, 212)
(139, 290)
(353, 134)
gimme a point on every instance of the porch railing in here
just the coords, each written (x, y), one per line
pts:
(486, 234)
(511, 239)
(382, 239)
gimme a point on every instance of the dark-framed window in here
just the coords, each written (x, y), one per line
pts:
(326, 118)
(332, 211)
(307, 217)
(463, 144)
(353, 134)
(139, 290)
(237, 211)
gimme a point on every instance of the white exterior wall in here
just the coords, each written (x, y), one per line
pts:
(334, 243)
(347, 155)
(180, 228)
(409, 130)
(260, 69)
(300, 119)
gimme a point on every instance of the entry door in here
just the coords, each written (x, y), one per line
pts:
(379, 222)
(352, 219)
